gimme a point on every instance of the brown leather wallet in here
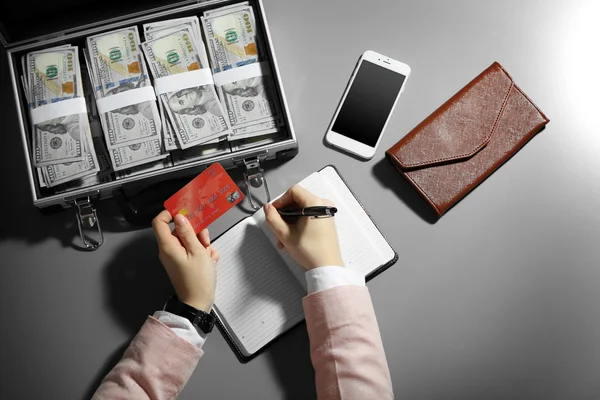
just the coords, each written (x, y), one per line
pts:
(467, 138)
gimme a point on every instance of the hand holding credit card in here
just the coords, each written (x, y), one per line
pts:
(207, 197)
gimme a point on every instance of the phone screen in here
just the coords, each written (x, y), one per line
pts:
(368, 103)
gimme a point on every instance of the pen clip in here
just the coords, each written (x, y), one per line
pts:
(321, 216)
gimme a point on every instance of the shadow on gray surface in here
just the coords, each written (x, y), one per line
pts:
(108, 365)
(385, 173)
(290, 360)
(135, 283)
(24, 222)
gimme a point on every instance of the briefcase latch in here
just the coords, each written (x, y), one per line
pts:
(255, 179)
(88, 222)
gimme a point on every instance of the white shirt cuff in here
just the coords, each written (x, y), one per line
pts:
(182, 327)
(327, 277)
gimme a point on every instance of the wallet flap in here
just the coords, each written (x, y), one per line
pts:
(460, 127)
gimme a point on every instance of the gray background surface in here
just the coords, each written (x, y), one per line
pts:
(499, 299)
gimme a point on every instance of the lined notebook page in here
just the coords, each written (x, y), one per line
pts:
(296, 270)
(363, 247)
(257, 297)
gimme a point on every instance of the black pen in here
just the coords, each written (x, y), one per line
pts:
(317, 211)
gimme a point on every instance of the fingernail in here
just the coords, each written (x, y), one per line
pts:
(267, 207)
(180, 219)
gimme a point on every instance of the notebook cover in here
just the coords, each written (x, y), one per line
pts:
(229, 338)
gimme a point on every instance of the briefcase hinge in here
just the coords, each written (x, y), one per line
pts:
(88, 222)
(254, 178)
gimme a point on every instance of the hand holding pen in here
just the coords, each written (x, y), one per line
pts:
(311, 242)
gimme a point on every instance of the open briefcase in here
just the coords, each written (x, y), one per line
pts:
(44, 24)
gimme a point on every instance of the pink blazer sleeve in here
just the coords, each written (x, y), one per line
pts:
(156, 365)
(345, 345)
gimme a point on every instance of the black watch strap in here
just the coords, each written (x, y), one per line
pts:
(198, 318)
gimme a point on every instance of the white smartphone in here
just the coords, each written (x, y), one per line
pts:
(367, 105)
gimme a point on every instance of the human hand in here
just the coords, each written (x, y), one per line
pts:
(188, 259)
(312, 242)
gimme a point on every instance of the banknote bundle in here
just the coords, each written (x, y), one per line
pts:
(62, 146)
(211, 93)
(125, 99)
(234, 46)
(178, 63)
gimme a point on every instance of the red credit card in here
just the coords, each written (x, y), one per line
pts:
(207, 197)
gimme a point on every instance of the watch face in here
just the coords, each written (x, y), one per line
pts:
(211, 324)
(204, 321)
(198, 318)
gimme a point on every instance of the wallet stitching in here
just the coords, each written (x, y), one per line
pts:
(479, 147)
(523, 93)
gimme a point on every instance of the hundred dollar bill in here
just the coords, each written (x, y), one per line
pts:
(249, 104)
(231, 38)
(170, 139)
(100, 147)
(258, 129)
(136, 154)
(159, 29)
(233, 43)
(105, 173)
(78, 174)
(104, 160)
(24, 67)
(40, 175)
(225, 9)
(57, 174)
(117, 65)
(51, 78)
(195, 112)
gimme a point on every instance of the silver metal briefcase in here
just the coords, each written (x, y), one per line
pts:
(249, 155)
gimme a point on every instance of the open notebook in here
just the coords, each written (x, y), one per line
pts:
(260, 288)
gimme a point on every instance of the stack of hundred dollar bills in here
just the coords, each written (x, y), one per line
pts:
(182, 126)
(104, 175)
(132, 132)
(63, 150)
(194, 126)
(194, 115)
(233, 42)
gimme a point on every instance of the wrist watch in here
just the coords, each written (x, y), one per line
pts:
(198, 318)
